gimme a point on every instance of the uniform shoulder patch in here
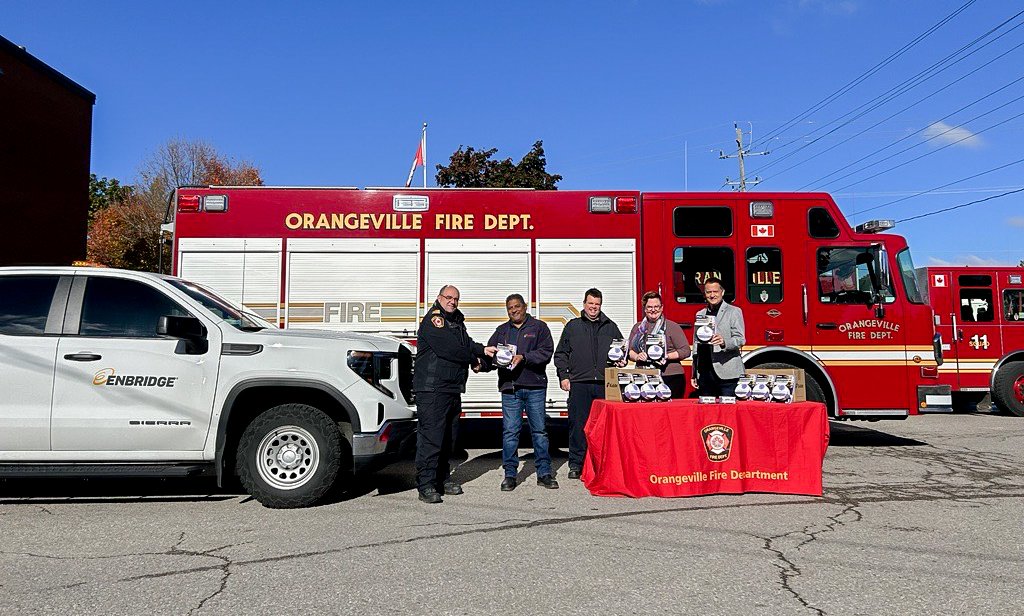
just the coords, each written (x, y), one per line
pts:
(437, 320)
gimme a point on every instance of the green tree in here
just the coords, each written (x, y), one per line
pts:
(472, 168)
(104, 192)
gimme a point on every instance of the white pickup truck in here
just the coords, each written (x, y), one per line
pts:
(113, 372)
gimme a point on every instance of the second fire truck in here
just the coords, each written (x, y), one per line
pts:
(979, 311)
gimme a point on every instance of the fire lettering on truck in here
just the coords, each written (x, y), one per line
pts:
(870, 329)
(351, 312)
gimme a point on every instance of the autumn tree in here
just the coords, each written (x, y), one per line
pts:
(126, 232)
(472, 168)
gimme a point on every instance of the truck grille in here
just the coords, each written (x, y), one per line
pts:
(405, 368)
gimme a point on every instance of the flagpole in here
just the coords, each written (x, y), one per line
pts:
(424, 155)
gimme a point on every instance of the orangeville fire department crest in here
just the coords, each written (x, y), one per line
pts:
(437, 320)
(717, 439)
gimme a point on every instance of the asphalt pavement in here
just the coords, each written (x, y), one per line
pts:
(922, 516)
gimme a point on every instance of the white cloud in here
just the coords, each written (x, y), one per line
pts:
(944, 133)
(831, 7)
(968, 259)
(1015, 221)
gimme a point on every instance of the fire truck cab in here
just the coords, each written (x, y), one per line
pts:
(840, 303)
(979, 312)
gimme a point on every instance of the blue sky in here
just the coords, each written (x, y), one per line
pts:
(335, 93)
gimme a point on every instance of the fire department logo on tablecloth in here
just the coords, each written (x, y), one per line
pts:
(717, 440)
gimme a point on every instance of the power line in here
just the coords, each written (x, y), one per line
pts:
(932, 190)
(897, 91)
(858, 80)
(957, 207)
(936, 150)
(914, 104)
(905, 137)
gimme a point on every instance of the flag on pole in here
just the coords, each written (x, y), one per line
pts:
(419, 159)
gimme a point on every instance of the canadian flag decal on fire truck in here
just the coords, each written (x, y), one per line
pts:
(762, 230)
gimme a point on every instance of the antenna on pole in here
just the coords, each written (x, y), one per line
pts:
(741, 153)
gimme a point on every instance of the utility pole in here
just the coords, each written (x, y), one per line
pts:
(740, 154)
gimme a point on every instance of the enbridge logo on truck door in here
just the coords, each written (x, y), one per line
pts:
(108, 378)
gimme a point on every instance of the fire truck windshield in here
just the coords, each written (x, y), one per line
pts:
(909, 277)
(234, 315)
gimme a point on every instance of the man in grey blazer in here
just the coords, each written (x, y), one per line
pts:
(717, 364)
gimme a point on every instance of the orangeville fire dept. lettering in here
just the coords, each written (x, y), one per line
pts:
(879, 329)
(352, 221)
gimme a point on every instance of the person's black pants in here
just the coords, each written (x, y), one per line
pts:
(437, 427)
(677, 383)
(708, 384)
(581, 395)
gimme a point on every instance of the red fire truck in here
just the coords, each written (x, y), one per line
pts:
(979, 313)
(841, 304)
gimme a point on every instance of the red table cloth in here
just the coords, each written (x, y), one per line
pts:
(683, 448)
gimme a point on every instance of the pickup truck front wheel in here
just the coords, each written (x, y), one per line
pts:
(290, 456)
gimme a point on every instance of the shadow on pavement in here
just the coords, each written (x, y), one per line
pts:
(846, 435)
(112, 490)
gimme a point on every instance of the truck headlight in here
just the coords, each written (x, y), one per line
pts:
(374, 367)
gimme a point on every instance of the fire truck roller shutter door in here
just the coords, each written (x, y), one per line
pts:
(485, 272)
(354, 284)
(566, 269)
(245, 271)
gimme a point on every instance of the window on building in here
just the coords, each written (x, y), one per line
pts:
(124, 308)
(764, 275)
(693, 265)
(699, 221)
(25, 303)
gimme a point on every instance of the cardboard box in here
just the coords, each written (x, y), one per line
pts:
(612, 391)
(799, 391)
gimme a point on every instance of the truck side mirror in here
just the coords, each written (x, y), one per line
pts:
(186, 328)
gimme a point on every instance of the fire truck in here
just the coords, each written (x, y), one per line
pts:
(979, 312)
(840, 303)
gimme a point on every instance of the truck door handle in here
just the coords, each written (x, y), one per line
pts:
(959, 335)
(826, 326)
(83, 357)
(685, 325)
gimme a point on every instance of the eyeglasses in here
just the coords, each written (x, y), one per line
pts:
(653, 309)
(451, 298)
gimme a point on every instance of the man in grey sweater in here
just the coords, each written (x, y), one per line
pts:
(717, 364)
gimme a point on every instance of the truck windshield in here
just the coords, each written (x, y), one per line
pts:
(909, 276)
(235, 316)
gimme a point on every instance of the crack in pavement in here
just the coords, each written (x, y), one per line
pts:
(225, 567)
(789, 570)
(457, 524)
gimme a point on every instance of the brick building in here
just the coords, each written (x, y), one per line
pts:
(45, 140)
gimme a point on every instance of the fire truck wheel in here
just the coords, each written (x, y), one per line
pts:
(290, 456)
(1008, 388)
(813, 388)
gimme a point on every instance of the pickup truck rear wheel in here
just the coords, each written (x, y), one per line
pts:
(1008, 388)
(290, 456)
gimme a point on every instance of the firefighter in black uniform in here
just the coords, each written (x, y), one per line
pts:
(444, 354)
